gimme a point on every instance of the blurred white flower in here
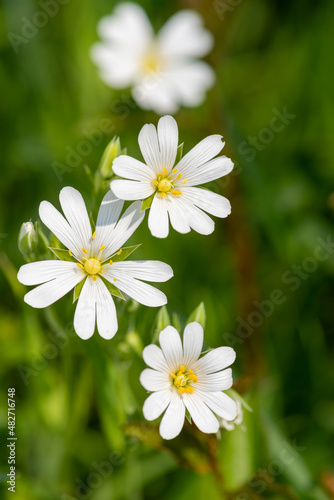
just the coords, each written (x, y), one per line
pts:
(93, 263)
(172, 186)
(163, 70)
(180, 380)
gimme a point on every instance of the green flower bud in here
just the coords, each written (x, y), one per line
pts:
(110, 153)
(27, 241)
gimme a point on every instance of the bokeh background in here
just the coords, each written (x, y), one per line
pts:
(79, 402)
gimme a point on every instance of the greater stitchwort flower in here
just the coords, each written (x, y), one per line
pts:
(169, 186)
(180, 380)
(163, 70)
(93, 265)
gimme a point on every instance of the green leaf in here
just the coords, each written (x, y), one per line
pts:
(163, 319)
(123, 253)
(62, 254)
(198, 315)
(112, 289)
(77, 290)
(147, 202)
(179, 153)
(176, 322)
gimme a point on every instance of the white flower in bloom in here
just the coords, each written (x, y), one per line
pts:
(173, 186)
(241, 404)
(180, 380)
(163, 70)
(93, 263)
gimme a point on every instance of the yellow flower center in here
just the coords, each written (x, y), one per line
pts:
(92, 266)
(165, 182)
(165, 185)
(183, 380)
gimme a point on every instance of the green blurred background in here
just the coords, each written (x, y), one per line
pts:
(79, 402)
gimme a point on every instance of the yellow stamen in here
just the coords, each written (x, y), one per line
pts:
(102, 248)
(182, 368)
(181, 390)
(94, 278)
(80, 265)
(115, 279)
(162, 194)
(189, 389)
(160, 174)
(179, 177)
(176, 192)
(119, 252)
(94, 235)
(190, 371)
(165, 170)
(155, 181)
(174, 170)
(70, 253)
(193, 378)
(111, 262)
(172, 374)
(84, 250)
(184, 181)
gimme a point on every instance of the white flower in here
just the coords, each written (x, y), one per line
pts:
(163, 70)
(180, 380)
(175, 196)
(91, 263)
(241, 404)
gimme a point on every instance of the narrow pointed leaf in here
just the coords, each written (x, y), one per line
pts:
(62, 254)
(123, 253)
(198, 315)
(113, 289)
(77, 290)
(147, 202)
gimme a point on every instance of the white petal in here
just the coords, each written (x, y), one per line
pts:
(105, 311)
(156, 403)
(152, 380)
(219, 381)
(130, 168)
(35, 273)
(204, 151)
(118, 66)
(75, 211)
(173, 419)
(171, 346)
(177, 217)
(197, 220)
(158, 218)
(153, 357)
(48, 293)
(168, 137)
(183, 35)
(59, 226)
(126, 226)
(141, 292)
(156, 92)
(202, 416)
(213, 203)
(149, 147)
(127, 26)
(215, 360)
(132, 190)
(214, 169)
(221, 404)
(107, 218)
(85, 312)
(192, 343)
(148, 270)
(191, 81)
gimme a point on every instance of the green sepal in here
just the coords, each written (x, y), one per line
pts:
(77, 290)
(126, 251)
(163, 319)
(62, 254)
(147, 202)
(179, 153)
(198, 315)
(112, 288)
(188, 417)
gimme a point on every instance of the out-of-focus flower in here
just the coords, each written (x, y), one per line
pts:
(163, 70)
(171, 186)
(27, 240)
(92, 264)
(180, 380)
(241, 404)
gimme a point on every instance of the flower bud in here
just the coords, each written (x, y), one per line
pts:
(110, 153)
(27, 241)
